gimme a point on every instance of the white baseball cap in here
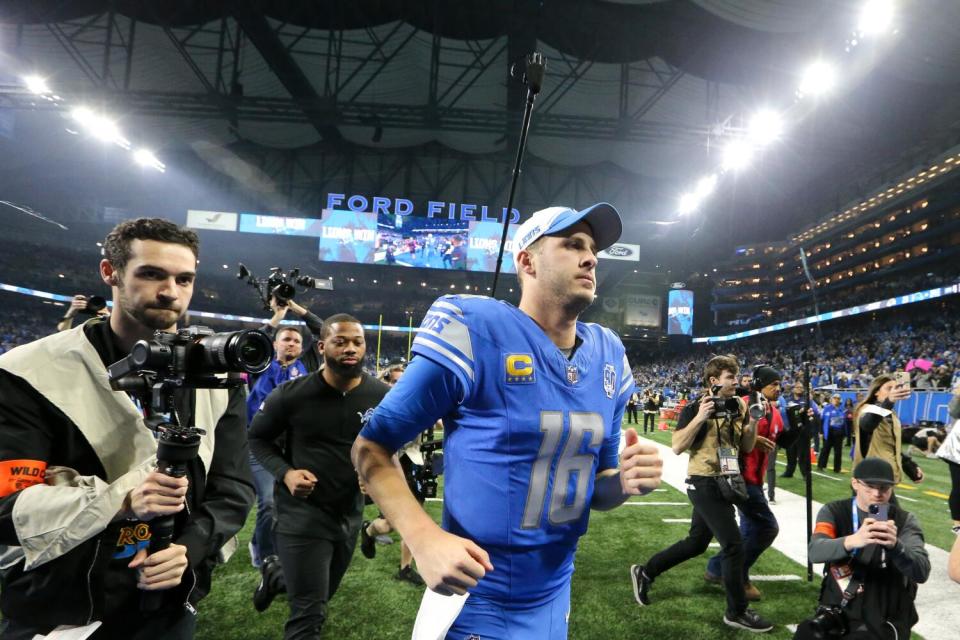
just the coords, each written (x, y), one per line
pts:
(603, 218)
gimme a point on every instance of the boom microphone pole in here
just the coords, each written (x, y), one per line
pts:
(536, 68)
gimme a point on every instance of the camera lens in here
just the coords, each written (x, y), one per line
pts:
(247, 351)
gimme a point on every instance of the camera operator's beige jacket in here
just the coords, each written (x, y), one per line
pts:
(67, 509)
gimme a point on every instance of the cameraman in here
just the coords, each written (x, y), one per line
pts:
(80, 487)
(309, 356)
(873, 562)
(716, 431)
(82, 304)
(800, 421)
(758, 525)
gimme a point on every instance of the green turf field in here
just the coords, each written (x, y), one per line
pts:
(372, 605)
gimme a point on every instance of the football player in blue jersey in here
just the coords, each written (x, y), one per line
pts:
(532, 402)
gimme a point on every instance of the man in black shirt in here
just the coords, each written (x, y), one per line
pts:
(319, 506)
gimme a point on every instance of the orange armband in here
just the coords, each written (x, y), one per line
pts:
(16, 475)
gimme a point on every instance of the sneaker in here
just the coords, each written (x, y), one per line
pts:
(383, 539)
(956, 529)
(749, 620)
(271, 583)
(368, 546)
(753, 594)
(641, 585)
(711, 578)
(409, 574)
(785, 475)
(771, 501)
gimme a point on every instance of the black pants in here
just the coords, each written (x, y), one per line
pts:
(712, 517)
(833, 442)
(649, 418)
(772, 474)
(793, 442)
(176, 625)
(954, 489)
(313, 568)
(632, 417)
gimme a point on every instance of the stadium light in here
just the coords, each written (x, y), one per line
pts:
(736, 155)
(145, 158)
(37, 85)
(705, 186)
(688, 204)
(819, 78)
(876, 17)
(766, 126)
(99, 126)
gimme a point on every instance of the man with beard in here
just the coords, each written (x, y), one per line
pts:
(79, 488)
(532, 401)
(319, 506)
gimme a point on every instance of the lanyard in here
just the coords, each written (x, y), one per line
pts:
(856, 523)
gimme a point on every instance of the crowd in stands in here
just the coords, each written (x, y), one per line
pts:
(850, 353)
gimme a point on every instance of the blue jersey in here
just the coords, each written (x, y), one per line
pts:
(525, 431)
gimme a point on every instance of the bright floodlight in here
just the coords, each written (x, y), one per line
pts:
(82, 115)
(736, 155)
(705, 186)
(688, 203)
(99, 126)
(819, 78)
(765, 127)
(37, 85)
(145, 158)
(876, 17)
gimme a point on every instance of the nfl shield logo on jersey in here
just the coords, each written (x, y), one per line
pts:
(572, 375)
(609, 379)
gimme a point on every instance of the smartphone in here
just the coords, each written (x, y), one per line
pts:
(879, 511)
(903, 379)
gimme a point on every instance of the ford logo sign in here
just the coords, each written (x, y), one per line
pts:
(620, 251)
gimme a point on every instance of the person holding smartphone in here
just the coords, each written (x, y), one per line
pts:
(877, 431)
(874, 559)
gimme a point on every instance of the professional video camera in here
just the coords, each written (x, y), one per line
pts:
(426, 474)
(278, 285)
(187, 359)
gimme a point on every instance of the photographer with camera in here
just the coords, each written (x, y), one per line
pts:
(800, 419)
(716, 430)
(83, 305)
(758, 525)
(309, 356)
(80, 496)
(874, 558)
(319, 506)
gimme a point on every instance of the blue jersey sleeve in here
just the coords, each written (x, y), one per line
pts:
(444, 337)
(609, 451)
(425, 393)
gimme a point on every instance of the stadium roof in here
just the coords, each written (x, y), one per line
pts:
(652, 87)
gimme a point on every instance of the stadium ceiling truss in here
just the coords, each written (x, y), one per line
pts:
(102, 47)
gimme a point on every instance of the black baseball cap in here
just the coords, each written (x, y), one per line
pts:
(875, 471)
